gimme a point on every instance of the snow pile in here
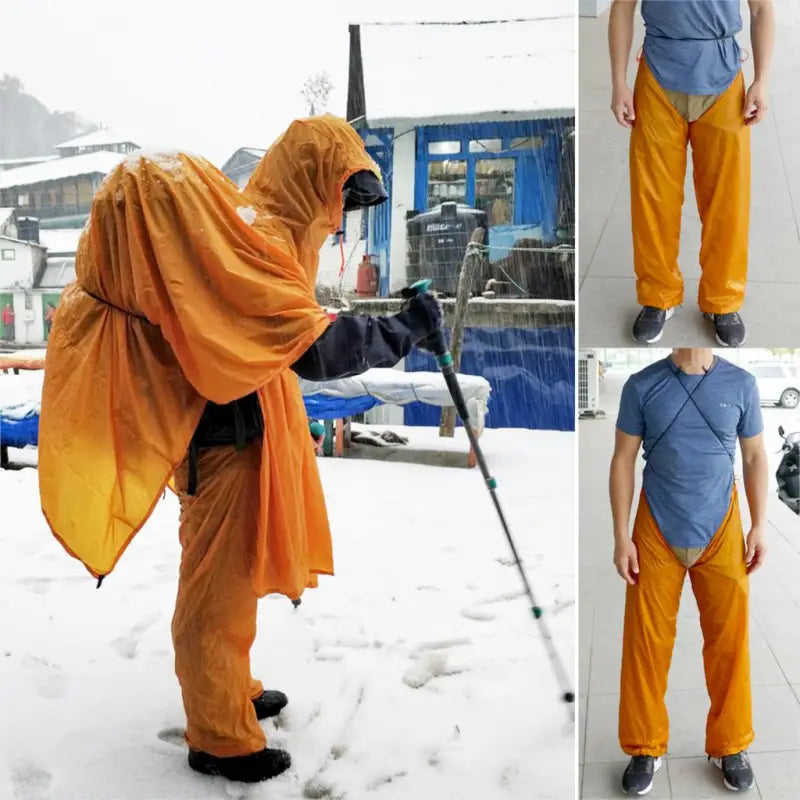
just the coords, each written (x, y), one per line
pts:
(168, 161)
(398, 387)
(246, 214)
(397, 688)
(23, 390)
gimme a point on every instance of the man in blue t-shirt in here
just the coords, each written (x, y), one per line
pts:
(690, 91)
(687, 412)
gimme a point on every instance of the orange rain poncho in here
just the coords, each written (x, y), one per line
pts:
(179, 299)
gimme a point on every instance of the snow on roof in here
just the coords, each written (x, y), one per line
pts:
(5, 215)
(11, 162)
(60, 240)
(469, 71)
(101, 162)
(97, 139)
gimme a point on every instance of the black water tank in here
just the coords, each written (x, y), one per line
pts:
(28, 229)
(437, 241)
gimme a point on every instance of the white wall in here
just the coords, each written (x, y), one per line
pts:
(592, 8)
(28, 332)
(405, 145)
(330, 256)
(20, 269)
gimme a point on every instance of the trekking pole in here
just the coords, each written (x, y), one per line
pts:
(445, 362)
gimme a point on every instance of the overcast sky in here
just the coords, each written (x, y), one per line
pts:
(207, 77)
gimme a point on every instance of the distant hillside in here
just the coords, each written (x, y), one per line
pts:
(28, 128)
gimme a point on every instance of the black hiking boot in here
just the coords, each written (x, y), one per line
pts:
(736, 771)
(640, 774)
(649, 325)
(253, 768)
(729, 328)
(270, 703)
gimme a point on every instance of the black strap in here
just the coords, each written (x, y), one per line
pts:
(689, 394)
(239, 427)
(691, 38)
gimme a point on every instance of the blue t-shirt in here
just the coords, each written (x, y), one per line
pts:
(688, 478)
(690, 45)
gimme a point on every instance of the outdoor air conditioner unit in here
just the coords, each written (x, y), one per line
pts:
(588, 384)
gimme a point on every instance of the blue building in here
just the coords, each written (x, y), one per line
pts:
(417, 92)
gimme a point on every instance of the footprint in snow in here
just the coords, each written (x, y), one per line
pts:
(128, 646)
(173, 736)
(30, 781)
(480, 613)
(50, 682)
(432, 662)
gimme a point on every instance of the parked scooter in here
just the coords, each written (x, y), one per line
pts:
(788, 473)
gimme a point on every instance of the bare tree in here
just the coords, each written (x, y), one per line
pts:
(316, 92)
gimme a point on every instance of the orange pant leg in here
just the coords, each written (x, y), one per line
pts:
(651, 613)
(658, 147)
(721, 586)
(721, 155)
(215, 615)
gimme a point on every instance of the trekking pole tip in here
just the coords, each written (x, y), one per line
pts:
(569, 697)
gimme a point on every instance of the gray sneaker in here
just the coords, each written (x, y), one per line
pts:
(649, 325)
(729, 328)
(639, 774)
(736, 771)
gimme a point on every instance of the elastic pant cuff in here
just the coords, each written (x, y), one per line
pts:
(731, 749)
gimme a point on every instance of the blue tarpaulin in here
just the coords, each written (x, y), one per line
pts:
(532, 373)
(323, 406)
(19, 430)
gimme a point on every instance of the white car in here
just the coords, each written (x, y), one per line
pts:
(778, 383)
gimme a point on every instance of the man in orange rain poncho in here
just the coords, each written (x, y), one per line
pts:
(690, 90)
(175, 353)
(687, 412)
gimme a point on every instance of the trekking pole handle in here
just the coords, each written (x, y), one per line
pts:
(440, 349)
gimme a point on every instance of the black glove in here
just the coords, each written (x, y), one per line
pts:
(424, 317)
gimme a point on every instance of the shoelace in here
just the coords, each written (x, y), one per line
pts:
(641, 763)
(738, 761)
(650, 312)
(731, 318)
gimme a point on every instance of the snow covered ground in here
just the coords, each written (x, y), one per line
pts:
(417, 672)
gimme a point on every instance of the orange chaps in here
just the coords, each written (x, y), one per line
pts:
(720, 584)
(720, 143)
(215, 614)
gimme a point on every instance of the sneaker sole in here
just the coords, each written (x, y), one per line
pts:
(717, 762)
(657, 767)
(710, 318)
(670, 312)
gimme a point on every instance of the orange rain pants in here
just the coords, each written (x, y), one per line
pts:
(215, 614)
(720, 143)
(720, 584)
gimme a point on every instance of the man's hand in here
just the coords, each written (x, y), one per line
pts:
(626, 560)
(757, 103)
(622, 106)
(756, 549)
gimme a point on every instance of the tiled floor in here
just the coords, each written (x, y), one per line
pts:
(775, 647)
(607, 297)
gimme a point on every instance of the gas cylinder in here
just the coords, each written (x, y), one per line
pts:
(367, 278)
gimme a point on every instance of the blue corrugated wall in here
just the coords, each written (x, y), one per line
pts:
(532, 373)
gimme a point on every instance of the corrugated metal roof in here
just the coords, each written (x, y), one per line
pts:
(101, 162)
(58, 273)
(469, 71)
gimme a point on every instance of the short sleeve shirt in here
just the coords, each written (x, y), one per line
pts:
(689, 443)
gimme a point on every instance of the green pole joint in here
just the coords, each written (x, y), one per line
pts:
(491, 483)
(537, 612)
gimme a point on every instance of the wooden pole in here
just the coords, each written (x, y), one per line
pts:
(472, 259)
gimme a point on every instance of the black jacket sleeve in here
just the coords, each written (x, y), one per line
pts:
(353, 344)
